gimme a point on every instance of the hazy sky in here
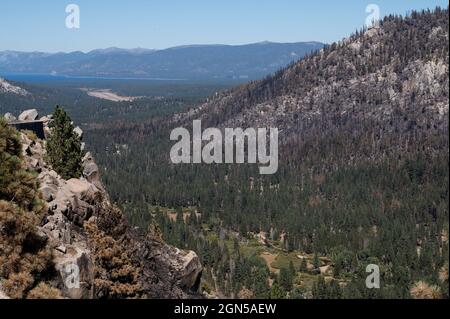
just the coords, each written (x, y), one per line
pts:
(30, 25)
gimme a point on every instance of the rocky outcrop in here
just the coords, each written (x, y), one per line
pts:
(2, 294)
(29, 115)
(9, 117)
(164, 271)
(180, 276)
(6, 87)
(70, 203)
(33, 151)
(91, 171)
(78, 131)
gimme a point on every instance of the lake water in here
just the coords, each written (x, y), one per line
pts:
(46, 78)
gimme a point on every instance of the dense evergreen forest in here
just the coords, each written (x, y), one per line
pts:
(381, 213)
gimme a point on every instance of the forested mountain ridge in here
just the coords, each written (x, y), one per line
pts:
(395, 74)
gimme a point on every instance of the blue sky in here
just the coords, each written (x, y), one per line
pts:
(30, 25)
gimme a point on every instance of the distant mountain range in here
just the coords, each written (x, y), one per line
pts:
(250, 61)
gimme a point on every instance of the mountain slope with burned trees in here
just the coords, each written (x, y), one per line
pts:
(363, 176)
(391, 80)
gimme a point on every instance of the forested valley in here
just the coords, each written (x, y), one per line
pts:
(363, 175)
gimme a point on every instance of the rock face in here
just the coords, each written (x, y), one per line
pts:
(29, 115)
(91, 171)
(2, 294)
(163, 264)
(164, 271)
(78, 131)
(6, 87)
(33, 151)
(190, 271)
(9, 117)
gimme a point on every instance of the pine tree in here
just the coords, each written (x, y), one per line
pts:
(292, 269)
(316, 261)
(335, 291)
(319, 290)
(64, 146)
(298, 293)
(16, 184)
(277, 292)
(21, 211)
(286, 279)
(304, 265)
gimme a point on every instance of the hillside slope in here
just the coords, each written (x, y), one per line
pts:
(363, 165)
(394, 75)
(6, 87)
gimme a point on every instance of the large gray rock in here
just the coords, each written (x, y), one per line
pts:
(82, 189)
(29, 115)
(45, 120)
(49, 183)
(167, 272)
(91, 170)
(190, 270)
(2, 294)
(75, 199)
(79, 132)
(48, 192)
(9, 117)
(33, 152)
(76, 271)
